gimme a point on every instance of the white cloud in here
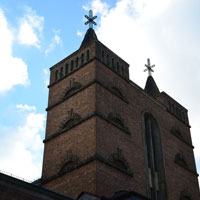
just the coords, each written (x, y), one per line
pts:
(13, 69)
(31, 26)
(97, 6)
(55, 41)
(165, 31)
(21, 147)
(26, 107)
(79, 33)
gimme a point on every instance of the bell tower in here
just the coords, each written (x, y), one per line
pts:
(106, 134)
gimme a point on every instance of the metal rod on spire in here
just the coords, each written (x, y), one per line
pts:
(90, 19)
(149, 67)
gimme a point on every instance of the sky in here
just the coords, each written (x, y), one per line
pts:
(35, 35)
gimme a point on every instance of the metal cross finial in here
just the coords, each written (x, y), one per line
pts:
(149, 67)
(90, 19)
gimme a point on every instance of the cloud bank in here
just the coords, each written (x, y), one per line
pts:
(21, 147)
(30, 29)
(13, 69)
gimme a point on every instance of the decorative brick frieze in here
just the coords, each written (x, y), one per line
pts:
(180, 136)
(185, 195)
(181, 161)
(70, 161)
(72, 118)
(71, 89)
(119, 161)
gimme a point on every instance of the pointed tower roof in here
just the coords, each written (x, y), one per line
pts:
(89, 37)
(151, 88)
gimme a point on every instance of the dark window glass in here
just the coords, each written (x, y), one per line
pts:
(154, 154)
(169, 104)
(56, 75)
(113, 63)
(117, 67)
(66, 68)
(102, 55)
(122, 71)
(108, 60)
(88, 55)
(82, 59)
(72, 65)
(77, 61)
(61, 72)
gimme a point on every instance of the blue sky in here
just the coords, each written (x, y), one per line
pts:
(37, 34)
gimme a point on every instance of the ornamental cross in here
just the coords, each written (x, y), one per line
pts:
(149, 67)
(90, 19)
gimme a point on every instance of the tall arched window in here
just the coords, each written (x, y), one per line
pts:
(157, 183)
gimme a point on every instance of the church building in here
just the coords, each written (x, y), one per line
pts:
(108, 138)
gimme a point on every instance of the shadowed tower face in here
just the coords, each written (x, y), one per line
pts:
(106, 134)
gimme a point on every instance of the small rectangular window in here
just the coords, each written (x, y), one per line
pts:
(66, 68)
(72, 65)
(88, 55)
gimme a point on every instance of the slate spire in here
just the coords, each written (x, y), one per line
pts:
(151, 88)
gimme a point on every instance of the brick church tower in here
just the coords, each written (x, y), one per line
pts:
(106, 134)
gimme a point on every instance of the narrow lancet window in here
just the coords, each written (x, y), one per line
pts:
(61, 72)
(77, 62)
(117, 67)
(122, 71)
(56, 75)
(157, 184)
(88, 55)
(113, 63)
(72, 65)
(102, 55)
(82, 59)
(108, 60)
(66, 68)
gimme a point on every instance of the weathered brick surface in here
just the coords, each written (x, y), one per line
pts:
(75, 182)
(83, 103)
(84, 75)
(81, 140)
